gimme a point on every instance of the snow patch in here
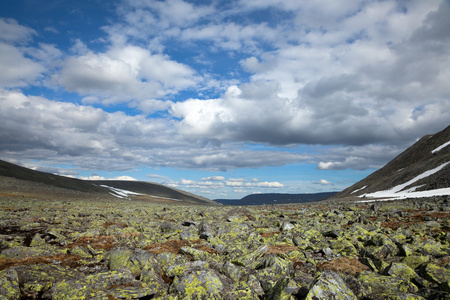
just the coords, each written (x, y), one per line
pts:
(441, 147)
(358, 189)
(119, 193)
(396, 192)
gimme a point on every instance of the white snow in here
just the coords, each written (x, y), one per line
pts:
(441, 147)
(396, 192)
(358, 189)
(404, 195)
(119, 192)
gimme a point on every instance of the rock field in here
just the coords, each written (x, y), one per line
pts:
(137, 250)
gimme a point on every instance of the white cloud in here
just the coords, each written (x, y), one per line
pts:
(265, 184)
(324, 182)
(17, 70)
(213, 178)
(98, 177)
(92, 138)
(125, 73)
(11, 31)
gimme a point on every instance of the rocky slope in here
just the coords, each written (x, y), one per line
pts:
(425, 166)
(119, 249)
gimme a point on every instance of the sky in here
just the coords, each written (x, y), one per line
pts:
(221, 98)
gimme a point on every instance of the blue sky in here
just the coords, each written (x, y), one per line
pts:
(221, 98)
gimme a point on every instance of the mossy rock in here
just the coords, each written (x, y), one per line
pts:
(429, 247)
(400, 270)
(434, 273)
(39, 279)
(9, 285)
(204, 284)
(415, 261)
(134, 260)
(103, 286)
(330, 286)
(282, 290)
(379, 284)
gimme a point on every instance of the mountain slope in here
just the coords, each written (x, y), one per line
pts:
(18, 181)
(276, 198)
(425, 166)
(155, 190)
(11, 170)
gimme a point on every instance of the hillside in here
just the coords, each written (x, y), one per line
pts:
(19, 181)
(421, 170)
(276, 198)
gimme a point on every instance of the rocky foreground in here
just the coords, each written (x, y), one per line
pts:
(137, 250)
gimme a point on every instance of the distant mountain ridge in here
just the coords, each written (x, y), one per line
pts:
(422, 169)
(276, 198)
(45, 183)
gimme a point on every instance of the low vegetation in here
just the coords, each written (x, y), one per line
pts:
(116, 249)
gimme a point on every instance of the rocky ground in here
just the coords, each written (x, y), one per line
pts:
(136, 250)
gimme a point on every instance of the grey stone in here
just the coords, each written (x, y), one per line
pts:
(330, 286)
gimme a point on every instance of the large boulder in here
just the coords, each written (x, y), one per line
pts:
(330, 286)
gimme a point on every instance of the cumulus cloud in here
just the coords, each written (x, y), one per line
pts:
(11, 31)
(17, 69)
(236, 185)
(92, 138)
(125, 73)
(365, 78)
(213, 178)
(384, 86)
(323, 182)
(98, 177)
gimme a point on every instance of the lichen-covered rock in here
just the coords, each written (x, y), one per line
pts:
(344, 246)
(37, 240)
(198, 285)
(434, 273)
(232, 271)
(286, 227)
(37, 280)
(103, 286)
(195, 253)
(248, 259)
(271, 269)
(330, 286)
(22, 252)
(282, 290)
(134, 260)
(385, 285)
(400, 270)
(429, 247)
(9, 285)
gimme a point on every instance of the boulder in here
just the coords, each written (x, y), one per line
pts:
(375, 284)
(330, 286)
(104, 285)
(9, 285)
(203, 284)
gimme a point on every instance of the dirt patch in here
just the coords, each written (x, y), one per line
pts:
(343, 264)
(104, 242)
(207, 249)
(172, 246)
(107, 224)
(269, 234)
(65, 259)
